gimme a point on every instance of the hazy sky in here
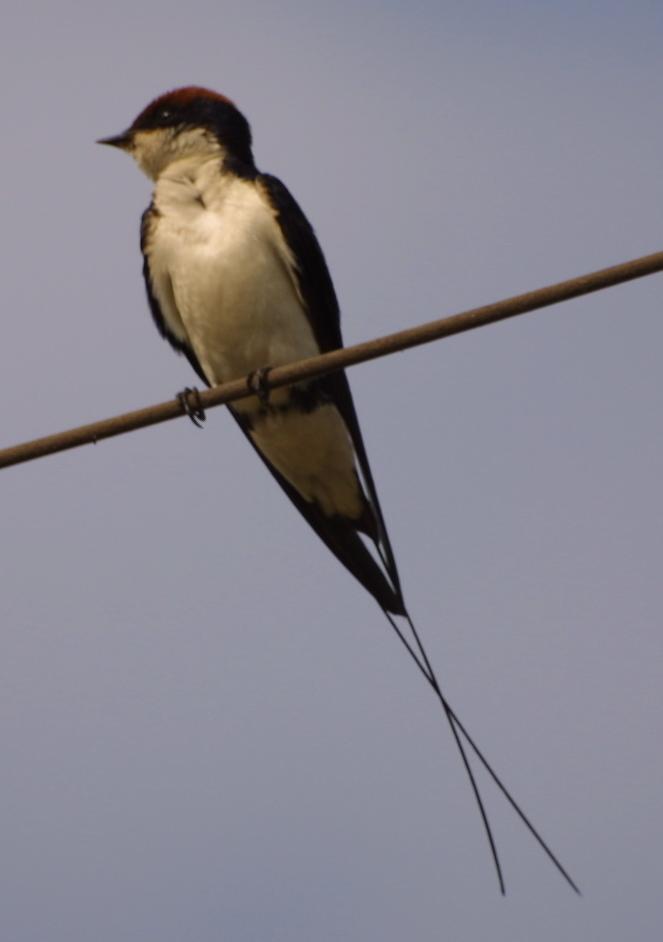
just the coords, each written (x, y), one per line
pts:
(207, 731)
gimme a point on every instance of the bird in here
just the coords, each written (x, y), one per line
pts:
(237, 282)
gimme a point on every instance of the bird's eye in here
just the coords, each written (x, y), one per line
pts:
(164, 113)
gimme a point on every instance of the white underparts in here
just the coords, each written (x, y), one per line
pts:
(313, 451)
(155, 149)
(226, 284)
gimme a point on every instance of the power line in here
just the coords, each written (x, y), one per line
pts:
(338, 359)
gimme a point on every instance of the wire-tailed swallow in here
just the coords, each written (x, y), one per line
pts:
(237, 282)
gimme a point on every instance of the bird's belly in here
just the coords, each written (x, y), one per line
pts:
(225, 278)
(240, 317)
(313, 451)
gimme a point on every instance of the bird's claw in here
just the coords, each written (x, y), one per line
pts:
(189, 400)
(257, 383)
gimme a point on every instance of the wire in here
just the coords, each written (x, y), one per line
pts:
(338, 359)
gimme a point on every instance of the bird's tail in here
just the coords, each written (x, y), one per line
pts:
(462, 738)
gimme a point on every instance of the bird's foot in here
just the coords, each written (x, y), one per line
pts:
(257, 383)
(189, 400)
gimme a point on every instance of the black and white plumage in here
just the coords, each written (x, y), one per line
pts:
(236, 281)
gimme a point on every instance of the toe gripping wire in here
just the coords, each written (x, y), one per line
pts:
(189, 400)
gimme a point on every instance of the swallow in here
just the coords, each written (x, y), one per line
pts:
(237, 282)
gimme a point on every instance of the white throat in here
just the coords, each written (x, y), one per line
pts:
(155, 151)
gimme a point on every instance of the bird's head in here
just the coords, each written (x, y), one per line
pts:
(184, 123)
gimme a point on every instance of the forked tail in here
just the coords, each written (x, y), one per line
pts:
(418, 654)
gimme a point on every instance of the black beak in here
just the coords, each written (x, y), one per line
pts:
(123, 141)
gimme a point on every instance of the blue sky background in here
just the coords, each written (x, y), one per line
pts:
(207, 731)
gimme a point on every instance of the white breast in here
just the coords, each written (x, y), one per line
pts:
(224, 279)
(223, 274)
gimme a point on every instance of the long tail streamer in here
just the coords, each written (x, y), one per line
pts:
(459, 730)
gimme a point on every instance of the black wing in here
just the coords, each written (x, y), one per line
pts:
(340, 534)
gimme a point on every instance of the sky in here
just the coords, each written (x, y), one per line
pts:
(207, 730)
